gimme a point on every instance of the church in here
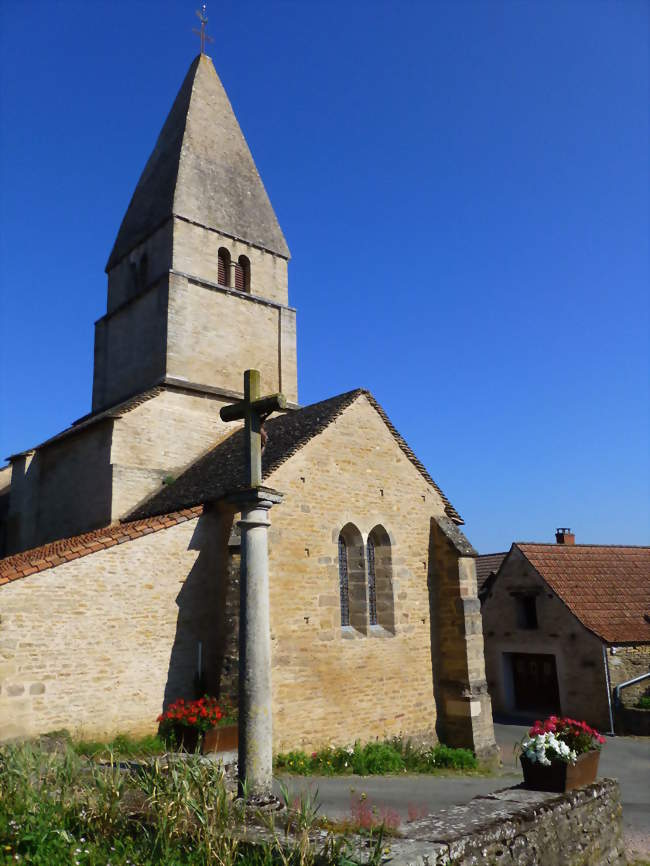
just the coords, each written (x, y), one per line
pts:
(119, 577)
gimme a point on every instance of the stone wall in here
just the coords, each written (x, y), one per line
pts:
(517, 827)
(333, 684)
(627, 663)
(61, 489)
(97, 645)
(130, 347)
(578, 652)
(157, 440)
(100, 644)
(128, 278)
(209, 339)
(195, 252)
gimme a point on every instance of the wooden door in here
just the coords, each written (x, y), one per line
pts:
(535, 682)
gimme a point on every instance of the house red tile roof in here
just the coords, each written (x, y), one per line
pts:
(606, 587)
(66, 549)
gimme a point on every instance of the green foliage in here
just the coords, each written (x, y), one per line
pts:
(122, 746)
(644, 702)
(58, 808)
(377, 758)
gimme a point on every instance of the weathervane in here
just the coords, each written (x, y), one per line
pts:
(202, 15)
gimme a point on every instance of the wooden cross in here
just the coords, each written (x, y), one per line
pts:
(203, 18)
(254, 410)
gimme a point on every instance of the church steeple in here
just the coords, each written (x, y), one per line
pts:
(201, 170)
(197, 278)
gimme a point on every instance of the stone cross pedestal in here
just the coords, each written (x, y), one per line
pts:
(255, 699)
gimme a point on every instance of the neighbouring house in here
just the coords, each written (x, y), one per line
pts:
(564, 624)
(120, 584)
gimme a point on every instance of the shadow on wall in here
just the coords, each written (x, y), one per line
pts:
(433, 585)
(204, 654)
(61, 489)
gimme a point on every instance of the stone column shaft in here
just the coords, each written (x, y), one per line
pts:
(255, 695)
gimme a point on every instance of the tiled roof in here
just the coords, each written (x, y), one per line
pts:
(66, 549)
(606, 587)
(487, 564)
(201, 170)
(222, 470)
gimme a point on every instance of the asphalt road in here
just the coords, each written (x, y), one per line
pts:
(623, 758)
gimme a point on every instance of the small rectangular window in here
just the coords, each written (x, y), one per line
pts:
(526, 611)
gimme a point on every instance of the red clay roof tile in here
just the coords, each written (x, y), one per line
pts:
(606, 587)
(66, 549)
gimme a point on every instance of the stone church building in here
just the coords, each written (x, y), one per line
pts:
(119, 582)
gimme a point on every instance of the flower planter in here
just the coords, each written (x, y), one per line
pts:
(186, 739)
(221, 739)
(559, 776)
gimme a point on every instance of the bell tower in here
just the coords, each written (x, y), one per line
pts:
(197, 278)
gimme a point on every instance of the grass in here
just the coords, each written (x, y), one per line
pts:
(396, 755)
(121, 746)
(58, 808)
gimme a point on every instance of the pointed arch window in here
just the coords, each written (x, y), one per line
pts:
(380, 580)
(352, 579)
(223, 267)
(372, 583)
(344, 588)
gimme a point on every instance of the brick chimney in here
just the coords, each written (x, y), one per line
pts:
(563, 535)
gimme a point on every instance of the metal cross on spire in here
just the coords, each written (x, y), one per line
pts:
(202, 15)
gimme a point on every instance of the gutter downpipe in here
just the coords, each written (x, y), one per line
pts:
(611, 732)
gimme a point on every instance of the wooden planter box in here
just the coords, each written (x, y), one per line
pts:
(559, 776)
(223, 739)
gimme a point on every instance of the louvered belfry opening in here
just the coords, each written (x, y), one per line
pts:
(223, 267)
(243, 274)
(239, 277)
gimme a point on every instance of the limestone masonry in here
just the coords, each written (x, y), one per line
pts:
(119, 587)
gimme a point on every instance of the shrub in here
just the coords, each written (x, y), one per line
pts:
(377, 758)
(644, 702)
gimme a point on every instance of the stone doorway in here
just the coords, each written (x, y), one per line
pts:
(534, 677)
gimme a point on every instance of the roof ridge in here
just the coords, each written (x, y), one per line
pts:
(555, 546)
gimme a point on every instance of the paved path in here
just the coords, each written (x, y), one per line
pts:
(623, 758)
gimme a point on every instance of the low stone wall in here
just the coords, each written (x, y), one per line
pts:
(520, 828)
(631, 721)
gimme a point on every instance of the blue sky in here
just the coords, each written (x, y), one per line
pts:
(464, 189)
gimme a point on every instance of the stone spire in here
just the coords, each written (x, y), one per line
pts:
(201, 170)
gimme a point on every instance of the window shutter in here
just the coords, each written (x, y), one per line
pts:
(239, 277)
(221, 277)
